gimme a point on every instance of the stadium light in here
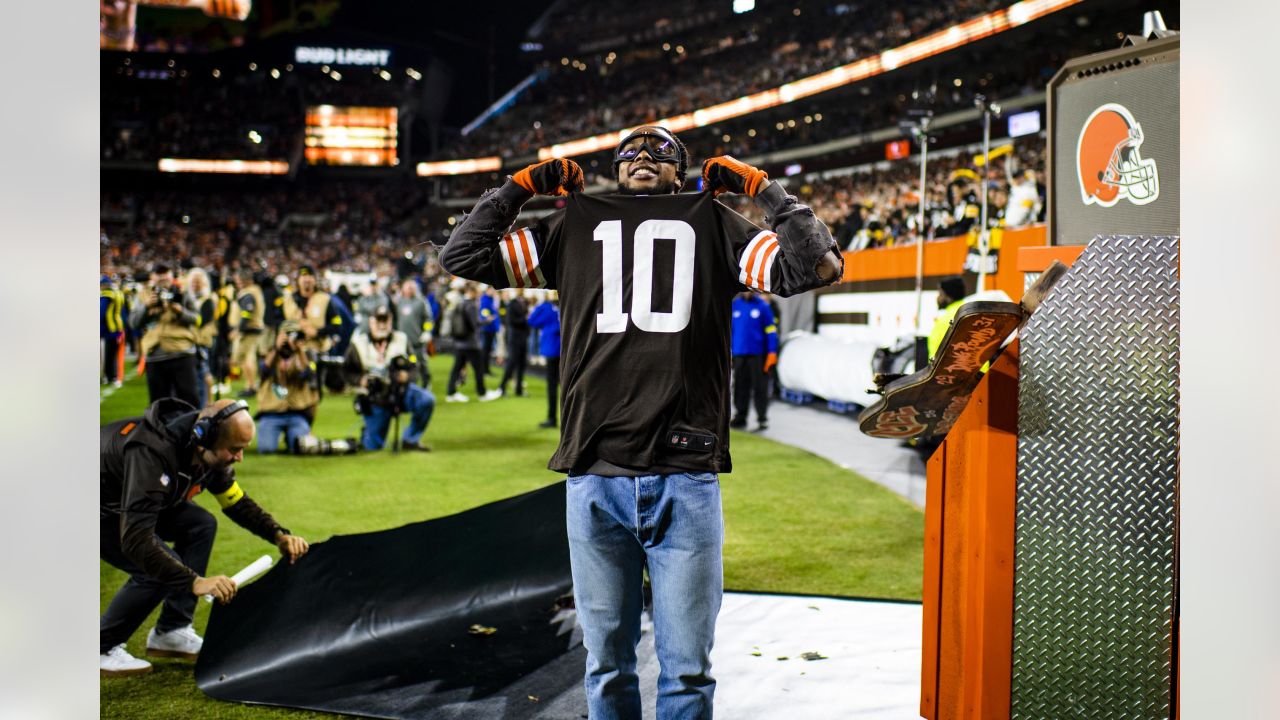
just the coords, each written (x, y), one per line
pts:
(232, 167)
(460, 167)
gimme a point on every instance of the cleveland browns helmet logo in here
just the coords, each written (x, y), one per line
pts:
(1108, 163)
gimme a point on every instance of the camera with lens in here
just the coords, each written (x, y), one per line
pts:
(290, 345)
(384, 387)
(166, 294)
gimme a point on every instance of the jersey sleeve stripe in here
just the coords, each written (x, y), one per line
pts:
(507, 245)
(766, 266)
(757, 255)
(532, 272)
(747, 261)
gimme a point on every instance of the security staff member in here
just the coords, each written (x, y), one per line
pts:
(168, 322)
(111, 331)
(951, 294)
(150, 469)
(251, 310)
(755, 352)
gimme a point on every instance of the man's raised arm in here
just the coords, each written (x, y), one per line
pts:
(801, 254)
(472, 251)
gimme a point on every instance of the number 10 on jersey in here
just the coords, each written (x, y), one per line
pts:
(613, 319)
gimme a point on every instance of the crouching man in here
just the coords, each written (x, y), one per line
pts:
(382, 363)
(150, 469)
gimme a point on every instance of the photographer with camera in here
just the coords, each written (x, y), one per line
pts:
(168, 321)
(384, 364)
(247, 335)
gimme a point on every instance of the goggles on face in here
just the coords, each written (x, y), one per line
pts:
(660, 147)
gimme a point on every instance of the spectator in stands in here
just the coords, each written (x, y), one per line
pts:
(755, 352)
(546, 318)
(383, 364)
(1024, 200)
(168, 324)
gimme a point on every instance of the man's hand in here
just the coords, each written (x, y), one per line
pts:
(220, 587)
(309, 331)
(724, 174)
(291, 546)
(551, 177)
(769, 361)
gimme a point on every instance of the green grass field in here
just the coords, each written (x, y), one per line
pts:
(795, 522)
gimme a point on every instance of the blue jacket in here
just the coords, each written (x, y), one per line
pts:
(754, 332)
(347, 327)
(546, 317)
(435, 312)
(489, 319)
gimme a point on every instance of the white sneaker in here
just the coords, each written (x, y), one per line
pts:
(457, 397)
(117, 384)
(491, 395)
(181, 643)
(117, 662)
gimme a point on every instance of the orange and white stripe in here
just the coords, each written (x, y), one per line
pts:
(520, 259)
(756, 263)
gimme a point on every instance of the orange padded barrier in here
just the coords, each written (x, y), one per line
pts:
(968, 568)
(945, 257)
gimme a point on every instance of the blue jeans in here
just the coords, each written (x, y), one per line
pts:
(417, 400)
(616, 526)
(293, 425)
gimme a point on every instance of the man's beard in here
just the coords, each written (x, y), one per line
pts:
(664, 187)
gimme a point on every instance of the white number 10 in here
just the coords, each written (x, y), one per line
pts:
(613, 319)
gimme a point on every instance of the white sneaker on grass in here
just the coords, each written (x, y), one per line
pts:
(182, 643)
(456, 397)
(491, 395)
(117, 662)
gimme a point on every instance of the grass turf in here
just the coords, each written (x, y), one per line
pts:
(794, 522)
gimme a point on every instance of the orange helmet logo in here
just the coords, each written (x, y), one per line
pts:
(1108, 162)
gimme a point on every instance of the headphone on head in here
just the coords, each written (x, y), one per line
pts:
(205, 432)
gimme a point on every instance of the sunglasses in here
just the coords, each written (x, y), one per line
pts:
(662, 149)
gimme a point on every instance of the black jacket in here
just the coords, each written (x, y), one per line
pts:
(147, 465)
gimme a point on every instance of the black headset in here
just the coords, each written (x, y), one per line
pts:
(205, 432)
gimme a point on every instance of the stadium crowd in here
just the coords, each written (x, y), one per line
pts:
(651, 81)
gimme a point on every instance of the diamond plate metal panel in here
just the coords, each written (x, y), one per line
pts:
(1097, 488)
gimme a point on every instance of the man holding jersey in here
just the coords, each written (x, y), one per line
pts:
(645, 278)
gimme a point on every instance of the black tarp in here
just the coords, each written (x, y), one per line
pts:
(380, 624)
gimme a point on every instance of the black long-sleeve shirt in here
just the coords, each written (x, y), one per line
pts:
(146, 466)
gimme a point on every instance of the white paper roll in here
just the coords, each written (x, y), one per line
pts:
(255, 568)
